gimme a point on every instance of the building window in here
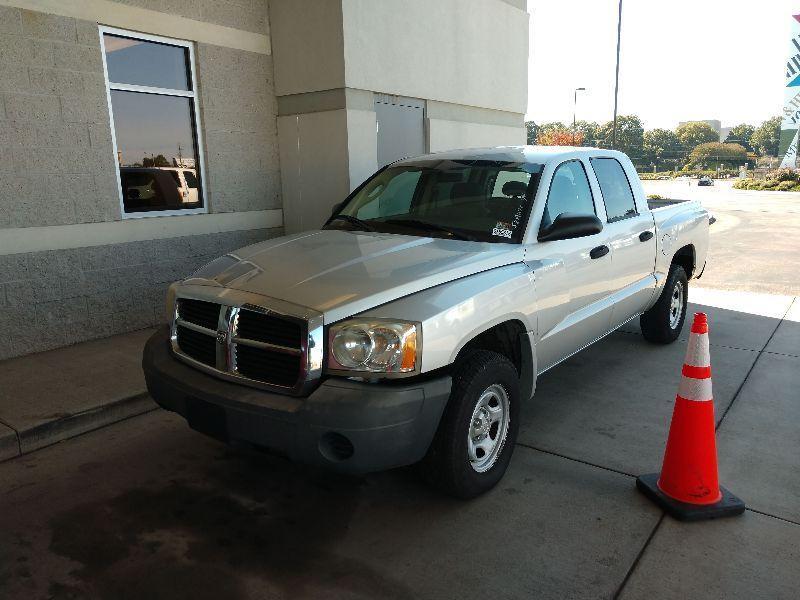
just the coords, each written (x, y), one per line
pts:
(152, 102)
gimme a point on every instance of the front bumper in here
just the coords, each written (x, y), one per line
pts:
(350, 426)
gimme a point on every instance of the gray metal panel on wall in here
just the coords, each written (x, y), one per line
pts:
(401, 127)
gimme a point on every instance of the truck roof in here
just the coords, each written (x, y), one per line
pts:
(523, 154)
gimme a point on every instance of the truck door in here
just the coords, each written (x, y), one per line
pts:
(572, 276)
(631, 235)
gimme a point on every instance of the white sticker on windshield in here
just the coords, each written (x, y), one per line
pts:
(502, 230)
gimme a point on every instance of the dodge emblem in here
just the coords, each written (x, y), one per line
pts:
(222, 337)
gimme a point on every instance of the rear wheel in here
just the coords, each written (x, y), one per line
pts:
(475, 440)
(663, 322)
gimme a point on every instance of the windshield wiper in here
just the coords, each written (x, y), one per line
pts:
(426, 226)
(353, 221)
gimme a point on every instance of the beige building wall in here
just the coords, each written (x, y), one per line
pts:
(466, 60)
(286, 103)
(71, 267)
(470, 52)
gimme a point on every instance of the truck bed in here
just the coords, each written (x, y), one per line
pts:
(663, 202)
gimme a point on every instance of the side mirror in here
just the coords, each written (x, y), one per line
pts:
(570, 225)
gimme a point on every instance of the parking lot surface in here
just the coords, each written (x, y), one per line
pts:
(754, 244)
(150, 509)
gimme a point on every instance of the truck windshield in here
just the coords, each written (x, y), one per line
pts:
(479, 200)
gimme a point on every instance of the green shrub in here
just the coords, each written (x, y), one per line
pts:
(655, 197)
(785, 186)
(784, 174)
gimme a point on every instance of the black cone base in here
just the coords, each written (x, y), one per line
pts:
(728, 506)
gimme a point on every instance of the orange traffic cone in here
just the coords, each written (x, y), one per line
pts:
(688, 487)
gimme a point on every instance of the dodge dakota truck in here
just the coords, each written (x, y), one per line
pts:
(414, 324)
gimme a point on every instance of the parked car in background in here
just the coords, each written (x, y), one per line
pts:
(414, 324)
(156, 188)
(705, 180)
(186, 180)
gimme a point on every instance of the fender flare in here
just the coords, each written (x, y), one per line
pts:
(527, 376)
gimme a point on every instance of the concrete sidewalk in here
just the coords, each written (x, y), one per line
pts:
(55, 395)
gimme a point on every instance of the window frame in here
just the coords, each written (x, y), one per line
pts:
(550, 187)
(623, 217)
(195, 109)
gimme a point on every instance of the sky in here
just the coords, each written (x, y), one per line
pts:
(681, 60)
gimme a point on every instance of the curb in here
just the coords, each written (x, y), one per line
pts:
(68, 426)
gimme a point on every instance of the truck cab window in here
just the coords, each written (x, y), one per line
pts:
(616, 189)
(569, 193)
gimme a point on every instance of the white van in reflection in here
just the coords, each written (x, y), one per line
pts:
(186, 179)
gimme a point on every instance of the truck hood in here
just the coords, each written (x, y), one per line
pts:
(342, 273)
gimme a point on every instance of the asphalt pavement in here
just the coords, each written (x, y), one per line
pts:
(147, 508)
(755, 243)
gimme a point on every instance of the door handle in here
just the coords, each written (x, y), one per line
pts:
(598, 252)
(645, 235)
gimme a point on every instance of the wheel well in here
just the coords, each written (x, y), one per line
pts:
(685, 258)
(503, 338)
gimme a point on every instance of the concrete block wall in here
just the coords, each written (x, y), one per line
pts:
(59, 297)
(57, 172)
(58, 166)
(238, 109)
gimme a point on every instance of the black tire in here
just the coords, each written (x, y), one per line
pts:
(447, 464)
(658, 323)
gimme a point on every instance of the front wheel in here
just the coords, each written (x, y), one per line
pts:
(662, 323)
(475, 440)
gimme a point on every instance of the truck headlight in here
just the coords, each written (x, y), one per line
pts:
(373, 346)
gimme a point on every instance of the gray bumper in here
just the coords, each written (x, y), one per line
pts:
(350, 426)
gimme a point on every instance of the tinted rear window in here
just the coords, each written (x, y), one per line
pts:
(615, 187)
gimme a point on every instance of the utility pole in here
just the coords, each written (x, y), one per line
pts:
(616, 80)
(575, 110)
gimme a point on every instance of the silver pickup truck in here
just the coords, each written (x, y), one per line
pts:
(411, 327)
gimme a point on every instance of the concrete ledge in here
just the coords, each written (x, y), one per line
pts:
(67, 426)
(9, 443)
(52, 396)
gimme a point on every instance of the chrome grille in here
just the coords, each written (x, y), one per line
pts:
(199, 312)
(267, 328)
(199, 346)
(267, 365)
(247, 343)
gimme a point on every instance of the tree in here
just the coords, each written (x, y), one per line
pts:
(711, 154)
(589, 131)
(158, 161)
(766, 137)
(630, 135)
(741, 134)
(530, 129)
(662, 146)
(545, 128)
(694, 133)
(560, 137)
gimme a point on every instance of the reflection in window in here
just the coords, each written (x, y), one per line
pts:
(149, 64)
(569, 193)
(155, 125)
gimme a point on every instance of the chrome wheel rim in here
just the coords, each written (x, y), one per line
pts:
(488, 428)
(676, 305)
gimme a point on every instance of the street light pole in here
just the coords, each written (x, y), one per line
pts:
(616, 80)
(575, 110)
